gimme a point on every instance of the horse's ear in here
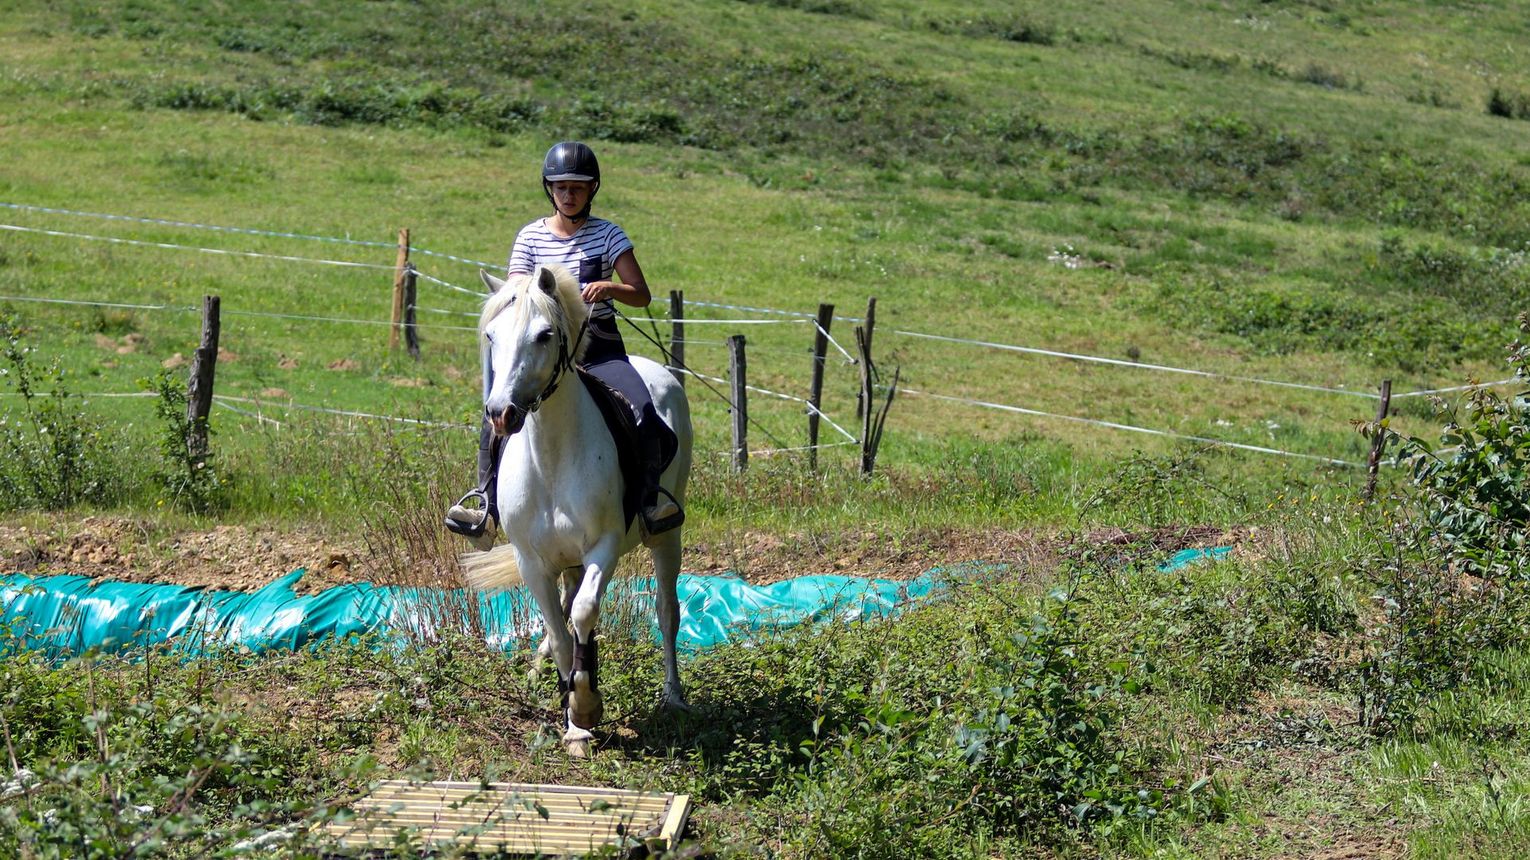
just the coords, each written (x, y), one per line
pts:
(494, 284)
(547, 281)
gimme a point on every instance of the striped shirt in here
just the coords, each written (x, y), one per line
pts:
(590, 254)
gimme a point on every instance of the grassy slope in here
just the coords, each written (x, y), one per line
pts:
(792, 223)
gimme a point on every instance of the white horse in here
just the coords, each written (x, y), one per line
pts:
(560, 486)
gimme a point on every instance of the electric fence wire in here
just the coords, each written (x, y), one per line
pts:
(651, 319)
(1471, 387)
(344, 413)
(246, 231)
(229, 311)
(1126, 427)
(15, 228)
(751, 309)
(809, 408)
(248, 414)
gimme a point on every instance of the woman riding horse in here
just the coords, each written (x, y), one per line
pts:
(592, 249)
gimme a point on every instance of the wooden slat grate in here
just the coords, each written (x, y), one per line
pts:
(514, 818)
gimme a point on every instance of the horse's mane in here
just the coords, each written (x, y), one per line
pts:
(523, 295)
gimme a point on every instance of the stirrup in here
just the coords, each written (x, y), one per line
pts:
(457, 515)
(664, 514)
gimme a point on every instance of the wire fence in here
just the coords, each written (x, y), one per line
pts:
(776, 317)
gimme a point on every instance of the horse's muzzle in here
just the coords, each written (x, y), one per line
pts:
(508, 422)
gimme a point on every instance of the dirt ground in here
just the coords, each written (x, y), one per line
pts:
(244, 558)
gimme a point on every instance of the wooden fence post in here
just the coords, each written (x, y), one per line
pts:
(864, 399)
(677, 335)
(199, 387)
(815, 392)
(740, 406)
(411, 296)
(400, 268)
(862, 404)
(1378, 439)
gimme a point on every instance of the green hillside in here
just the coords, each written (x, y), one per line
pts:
(1278, 190)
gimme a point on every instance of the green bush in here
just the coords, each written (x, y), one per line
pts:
(55, 455)
(118, 765)
(1456, 581)
(188, 475)
(1422, 333)
(1508, 104)
(1474, 497)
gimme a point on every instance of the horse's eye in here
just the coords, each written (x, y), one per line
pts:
(544, 336)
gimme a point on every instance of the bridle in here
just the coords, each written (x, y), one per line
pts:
(566, 353)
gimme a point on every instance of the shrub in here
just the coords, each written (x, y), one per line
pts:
(188, 475)
(1042, 744)
(1475, 499)
(1508, 104)
(55, 455)
(1418, 333)
(1456, 582)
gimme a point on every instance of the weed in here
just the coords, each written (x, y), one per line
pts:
(1422, 333)
(189, 475)
(55, 455)
(1323, 76)
(1153, 490)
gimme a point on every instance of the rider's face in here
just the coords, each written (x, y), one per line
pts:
(570, 195)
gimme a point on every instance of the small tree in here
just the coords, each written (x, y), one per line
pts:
(1475, 493)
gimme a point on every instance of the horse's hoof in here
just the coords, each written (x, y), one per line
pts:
(578, 742)
(538, 659)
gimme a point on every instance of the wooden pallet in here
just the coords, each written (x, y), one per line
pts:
(513, 818)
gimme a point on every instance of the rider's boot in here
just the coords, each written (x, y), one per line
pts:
(471, 515)
(660, 510)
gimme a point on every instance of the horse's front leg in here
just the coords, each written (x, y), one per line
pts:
(542, 582)
(585, 704)
(569, 584)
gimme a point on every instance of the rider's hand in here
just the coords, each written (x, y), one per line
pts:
(595, 291)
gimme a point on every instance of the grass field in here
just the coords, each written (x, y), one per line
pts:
(1317, 194)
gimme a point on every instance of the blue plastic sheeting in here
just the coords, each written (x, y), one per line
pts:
(1187, 557)
(64, 615)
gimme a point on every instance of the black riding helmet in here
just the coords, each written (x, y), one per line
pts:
(571, 160)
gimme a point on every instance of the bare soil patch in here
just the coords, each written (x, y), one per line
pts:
(245, 558)
(126, 549)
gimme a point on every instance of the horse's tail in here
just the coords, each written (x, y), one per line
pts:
(492, 570)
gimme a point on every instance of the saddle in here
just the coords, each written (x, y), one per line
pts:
(621, 420)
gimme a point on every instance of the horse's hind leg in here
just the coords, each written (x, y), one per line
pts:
(666, 570)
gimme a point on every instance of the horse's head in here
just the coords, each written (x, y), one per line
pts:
(529, 331)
